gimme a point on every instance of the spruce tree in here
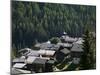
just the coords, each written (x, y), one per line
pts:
(85, 59)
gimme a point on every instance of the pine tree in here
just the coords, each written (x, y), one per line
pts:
(87, 59)
(84, 64)
(93, 51)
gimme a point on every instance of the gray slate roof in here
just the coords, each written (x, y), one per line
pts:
(48, 46)
(33, 53)
(39, 61)
(19, 65)
(18, 60)
(80, 41)
(68, 39)
(24, 51)
(65, 44)
(77, 48)
(65, 51)
(15, 71)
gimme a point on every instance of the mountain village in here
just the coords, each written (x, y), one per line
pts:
(63, 56)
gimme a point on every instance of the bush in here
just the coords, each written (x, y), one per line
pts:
(55, 40)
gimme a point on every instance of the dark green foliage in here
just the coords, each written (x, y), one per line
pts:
(88, 57)
(71, 67)
(40, 21)
(86, 47)
(93, 50)
(55, 40)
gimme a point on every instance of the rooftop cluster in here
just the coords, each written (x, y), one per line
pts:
(49, 56)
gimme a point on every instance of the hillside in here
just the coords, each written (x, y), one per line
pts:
(32, 22)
